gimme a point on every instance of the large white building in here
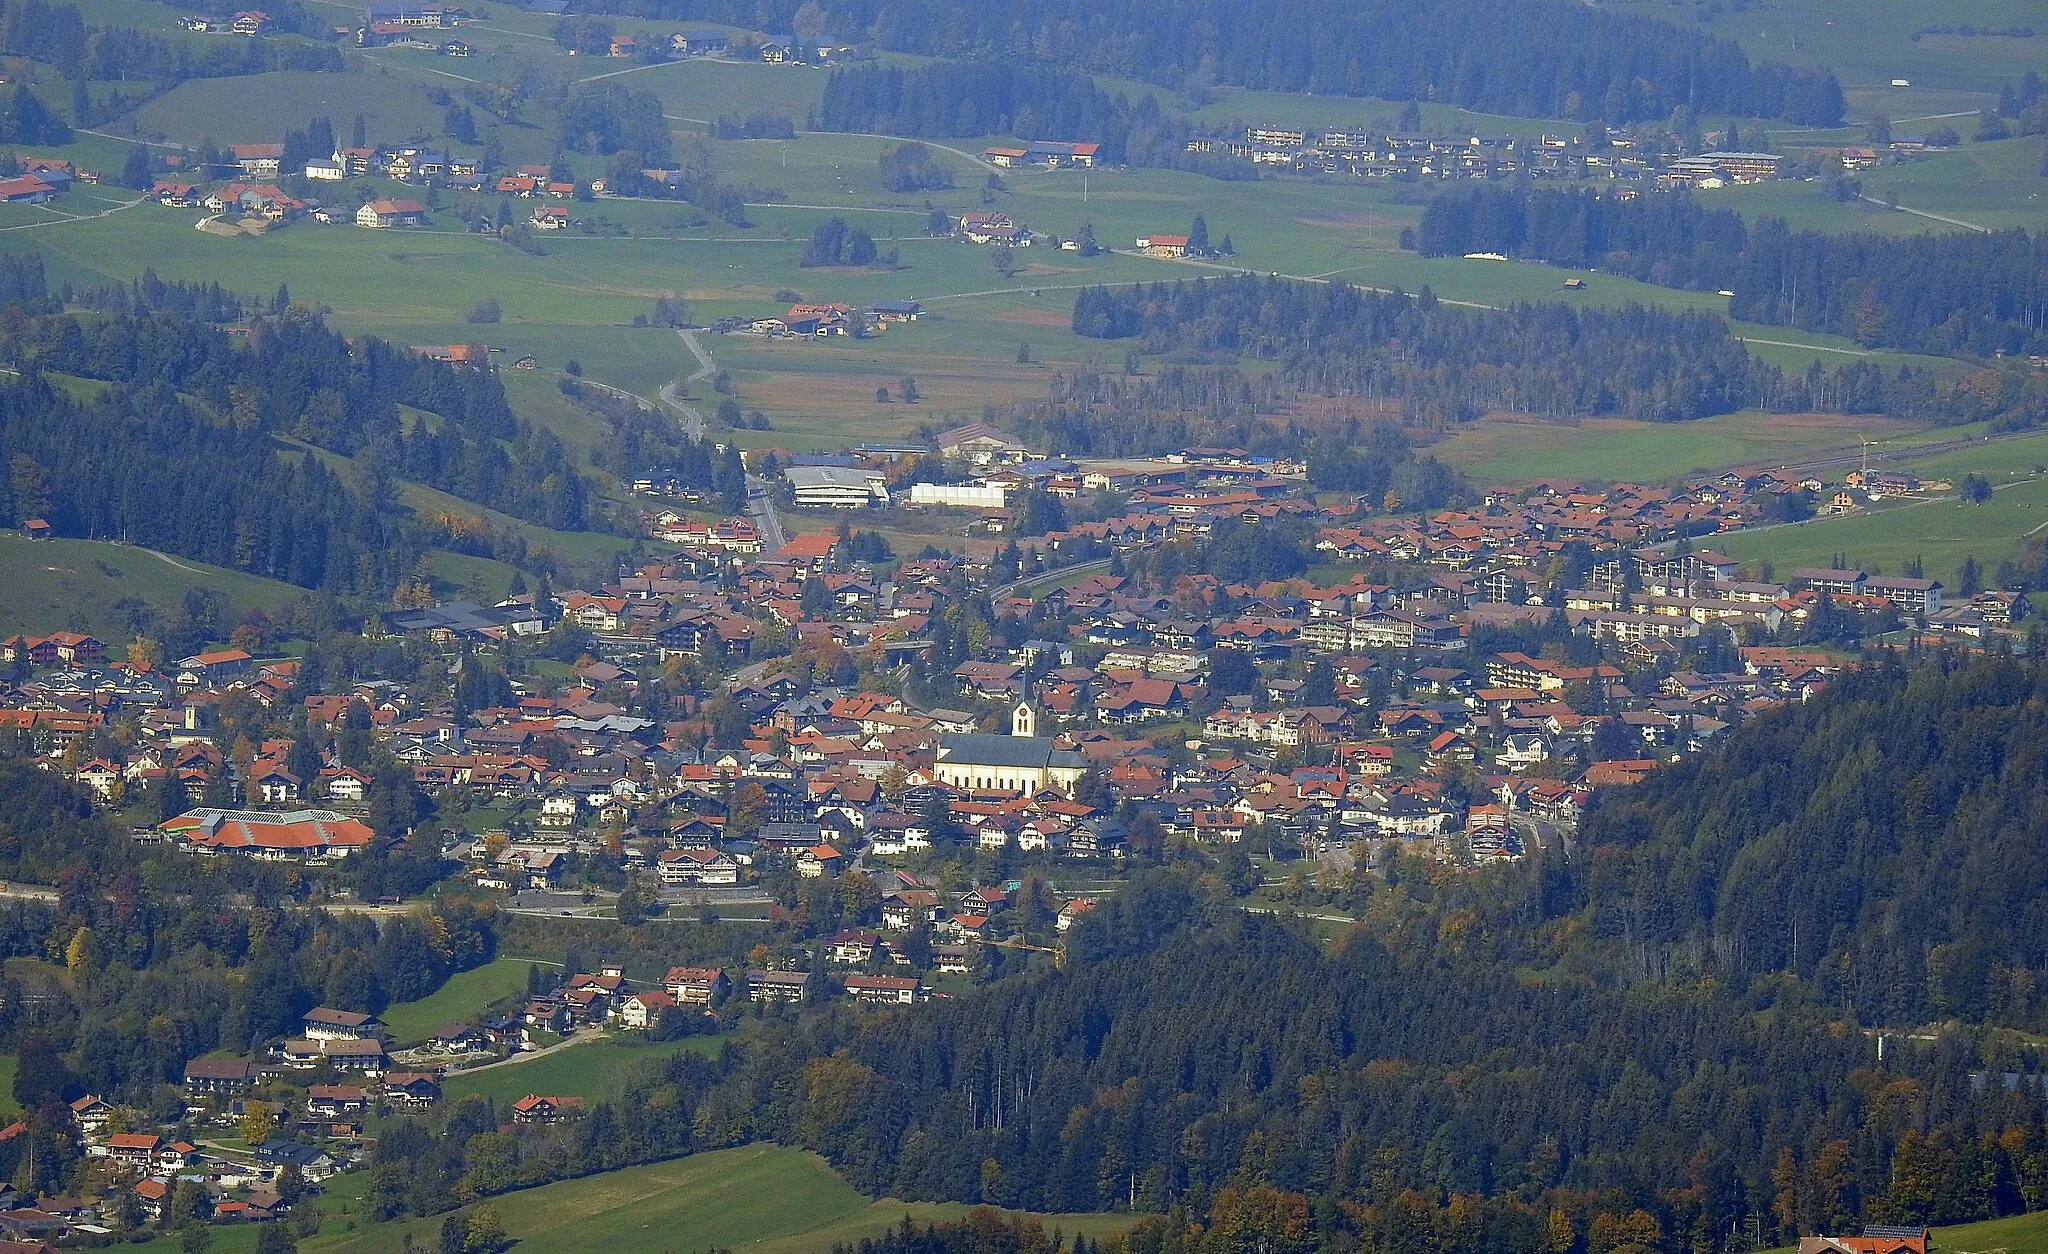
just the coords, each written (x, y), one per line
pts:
(962, 495)
(1022, 763)
(836, 487)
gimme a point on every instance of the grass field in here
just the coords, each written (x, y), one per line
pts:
(466, 995)
(1941, 533)
(584, 1070)
(1870, 44)
(1998, 461)
(1501, 450)
(52, 584)
(758, 1199)
(8, 1065)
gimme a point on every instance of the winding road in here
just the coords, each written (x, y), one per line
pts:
(693, 421)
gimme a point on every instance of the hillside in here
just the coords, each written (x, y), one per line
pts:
(58, 583)
(1695, 1013)
(760, 1199)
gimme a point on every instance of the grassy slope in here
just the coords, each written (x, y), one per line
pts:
(465, 995)
(52, 583)
(1939, 532)
(584, 1070)
(760, 1199)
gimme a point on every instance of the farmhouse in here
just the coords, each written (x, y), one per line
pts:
(699, 43)
(830, 319)
(1163, 245)
(534, 1108)
(389, 213)
(258, 161)
(25, 190)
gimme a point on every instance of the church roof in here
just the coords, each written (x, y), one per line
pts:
(1012, 751)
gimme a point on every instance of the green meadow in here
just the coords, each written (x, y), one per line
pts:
(757, 1199)
(1939, 532)
(466, 995)
(587, 1070)
(81, 585)
(1504, 450)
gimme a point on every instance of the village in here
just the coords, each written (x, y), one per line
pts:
(972, 747)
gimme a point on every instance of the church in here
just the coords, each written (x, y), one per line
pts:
(1023, 762)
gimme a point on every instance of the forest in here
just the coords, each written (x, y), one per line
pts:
(1436, 365)
(296, 380)
(1622, 1050)
(59, 35)
(1981, 295)
(1540, 58)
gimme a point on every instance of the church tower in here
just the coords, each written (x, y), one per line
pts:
(1024, 720)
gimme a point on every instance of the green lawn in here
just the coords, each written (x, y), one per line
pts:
(54, 584)
(761, 1199)
(466, 995)
(1939, 532)
(584, 1070)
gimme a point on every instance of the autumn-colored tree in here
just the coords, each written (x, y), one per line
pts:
(256, 1124)
(747, 811)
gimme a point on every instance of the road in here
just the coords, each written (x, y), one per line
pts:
(693, 421)
(581, 1038)
(79, 217)
(762, 510)
(1922, 213)
(1078, 568)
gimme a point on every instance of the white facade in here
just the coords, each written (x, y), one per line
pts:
(962, 495)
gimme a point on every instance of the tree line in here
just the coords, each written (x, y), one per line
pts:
(1960, 293)
(1435, 365)
(59, 35)
(1541, 59)
(300, 380)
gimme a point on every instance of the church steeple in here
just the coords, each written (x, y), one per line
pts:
(1024, 720)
